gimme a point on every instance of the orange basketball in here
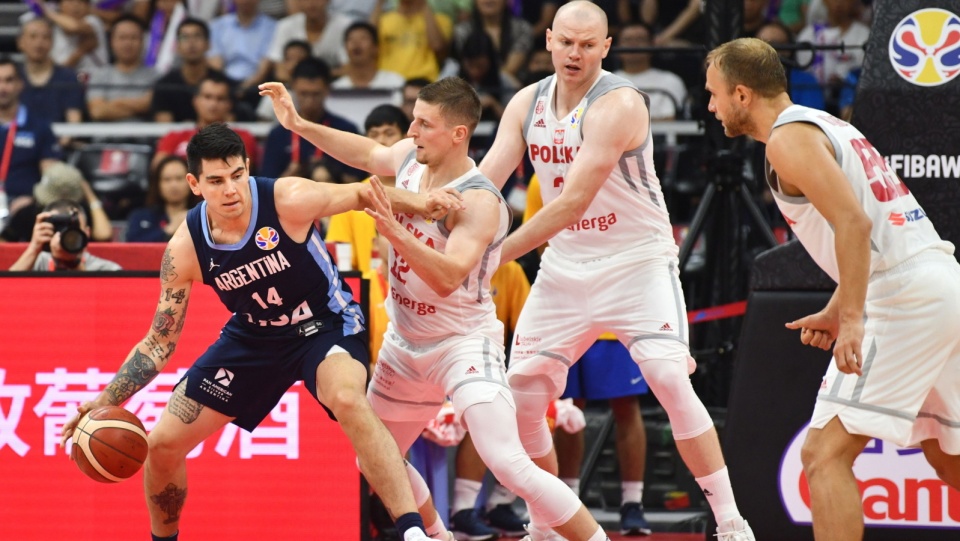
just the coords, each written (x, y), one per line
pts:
(109, 444)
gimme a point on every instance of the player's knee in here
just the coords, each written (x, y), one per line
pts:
(164, 449)
(346, 402)
(513, 471)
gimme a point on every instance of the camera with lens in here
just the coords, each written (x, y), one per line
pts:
(72, 237)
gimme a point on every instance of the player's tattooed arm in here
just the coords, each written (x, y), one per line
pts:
(167, 272)
(135, 374)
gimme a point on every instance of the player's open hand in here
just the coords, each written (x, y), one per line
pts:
(818, 330)
(440, 202)
(282, 104)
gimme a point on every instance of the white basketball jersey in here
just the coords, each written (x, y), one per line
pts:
(901, 229)
(416, 311)
(628, 213)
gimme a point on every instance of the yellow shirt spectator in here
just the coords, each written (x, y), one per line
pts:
(403, 44)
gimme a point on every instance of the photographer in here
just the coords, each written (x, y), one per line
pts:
(62, 229)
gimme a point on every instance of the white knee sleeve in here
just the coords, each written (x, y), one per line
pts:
(671, 385)
(532, 396)
(495, 437)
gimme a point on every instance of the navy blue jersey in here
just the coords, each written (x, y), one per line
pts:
(274, 285)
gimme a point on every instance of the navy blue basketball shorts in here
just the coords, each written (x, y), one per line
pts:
(245, 376)
(605, 371)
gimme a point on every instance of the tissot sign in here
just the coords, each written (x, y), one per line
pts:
(898, 488)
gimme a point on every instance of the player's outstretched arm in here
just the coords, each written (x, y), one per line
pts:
(805, 162)
(615, 123)
(150, 355)
(471, 232)
(352, 149)
(509, 145)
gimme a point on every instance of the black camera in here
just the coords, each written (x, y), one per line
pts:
(72, 237)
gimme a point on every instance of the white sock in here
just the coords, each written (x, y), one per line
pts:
(500, 495)
(437, 530)
(465, 494)
(719, 492)
(599, 535)
(573, 483)
(631, 492)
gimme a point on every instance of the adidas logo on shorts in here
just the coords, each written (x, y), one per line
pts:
(472, 370)
(666, 327)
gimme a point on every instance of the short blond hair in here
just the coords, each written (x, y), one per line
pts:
(752, 63)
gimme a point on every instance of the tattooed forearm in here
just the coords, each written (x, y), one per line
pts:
(170, 501)
(165, 320)
(181, 317)
(136, 373)
(186, 409)
(167, 272)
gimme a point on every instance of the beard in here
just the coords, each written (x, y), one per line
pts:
(739, 123)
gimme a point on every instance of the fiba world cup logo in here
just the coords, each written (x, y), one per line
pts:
(267, 238)
(925, 47)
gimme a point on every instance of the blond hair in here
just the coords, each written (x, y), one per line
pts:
(752, 63)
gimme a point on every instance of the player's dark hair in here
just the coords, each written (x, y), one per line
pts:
(385, 115)
(213, 142)
(303, 44)
(458, 101)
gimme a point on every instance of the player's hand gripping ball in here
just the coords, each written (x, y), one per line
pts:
(109, 444)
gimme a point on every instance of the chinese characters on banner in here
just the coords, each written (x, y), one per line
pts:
(61, 341)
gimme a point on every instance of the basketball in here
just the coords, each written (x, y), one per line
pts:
(109, 444)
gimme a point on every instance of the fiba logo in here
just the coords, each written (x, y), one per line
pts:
(267, 238)
(925, 47)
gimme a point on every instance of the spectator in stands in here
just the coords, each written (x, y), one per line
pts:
(666, 90)
(675, 22)
(79, 41)
(480, 66)
(322, 30)
(843, 26)
(33, 148)
(411, 89)
(539, 13)
(64, 254)
(213, 102)
(173, 91)
(804, 88)
(163, 18)
(122, 90)
(355, 10)
(168, 200)
(754, 17)
(414, 41)
(793, 14)
(539, 66)
(286, 154)
(293, 52)
(59, 182)
(239, 43)
(512, 37)
(47, 87)
(362, 69)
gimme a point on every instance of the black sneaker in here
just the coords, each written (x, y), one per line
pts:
(505, 520)
(466, 526)
(632, 521)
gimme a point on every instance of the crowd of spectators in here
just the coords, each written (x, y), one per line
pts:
(201, 61)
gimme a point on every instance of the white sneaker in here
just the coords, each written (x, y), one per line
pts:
(735, 529)
(536, 534)
(415, 534)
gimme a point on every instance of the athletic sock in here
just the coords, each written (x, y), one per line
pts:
(465, 493)
(437, 530)
(500, 495)
(631, 492)
(171, 538)
(719, 492)
(599, 535)
(407, 522)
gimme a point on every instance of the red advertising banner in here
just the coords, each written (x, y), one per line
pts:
(61, 341)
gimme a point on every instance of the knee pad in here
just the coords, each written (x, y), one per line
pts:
(671, 385)
(532, 395)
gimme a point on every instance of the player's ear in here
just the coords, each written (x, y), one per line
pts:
(606, 46)
(194, 183)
